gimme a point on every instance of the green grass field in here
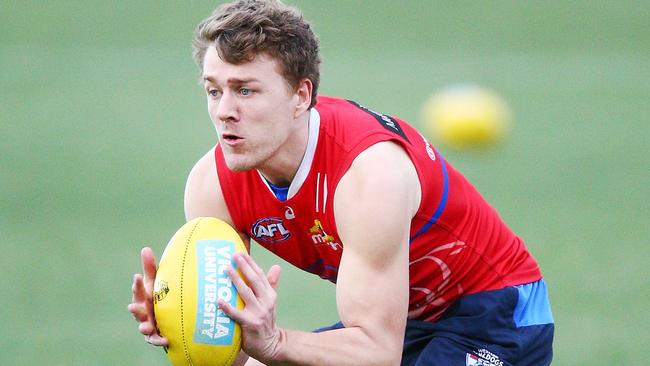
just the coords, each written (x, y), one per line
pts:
(101, 119)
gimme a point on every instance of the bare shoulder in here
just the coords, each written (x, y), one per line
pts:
(203, 195)
(378, 196)
(385, 152)
(384, 169)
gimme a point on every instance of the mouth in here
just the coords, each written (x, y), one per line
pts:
(230, 138)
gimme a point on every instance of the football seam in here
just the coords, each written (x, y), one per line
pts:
(187, 245)
(234, 352)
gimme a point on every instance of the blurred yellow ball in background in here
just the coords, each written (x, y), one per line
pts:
(465, 116)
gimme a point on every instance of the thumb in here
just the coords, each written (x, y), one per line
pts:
(273, 276)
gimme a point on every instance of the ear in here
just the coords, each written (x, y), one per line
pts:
(303, 95)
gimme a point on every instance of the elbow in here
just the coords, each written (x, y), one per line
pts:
(393, 358)
(386, 350)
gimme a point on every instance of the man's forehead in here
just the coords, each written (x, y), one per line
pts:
(215, 67)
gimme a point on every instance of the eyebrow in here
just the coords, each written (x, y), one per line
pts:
(231, 81)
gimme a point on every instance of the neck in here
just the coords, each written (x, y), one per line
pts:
(282, 167)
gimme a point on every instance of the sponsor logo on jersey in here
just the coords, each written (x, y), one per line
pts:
(387, 122)
(320, 237)
(213, 326)
(483, 357)
(288, 213)
(270, 230)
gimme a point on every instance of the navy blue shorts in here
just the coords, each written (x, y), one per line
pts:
(506, 327)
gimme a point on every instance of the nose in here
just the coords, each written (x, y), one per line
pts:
(227, 108)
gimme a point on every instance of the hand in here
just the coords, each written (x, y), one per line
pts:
(261, 337)
(141, 305)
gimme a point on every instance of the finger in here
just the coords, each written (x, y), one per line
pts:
(245, 292)
(139, 292)
(266, 293)
(273, 276)
(157, 340)
(257, 282)
(148, 266)
(253, 264)
(146, 328)
(139, 312)
(237, 315)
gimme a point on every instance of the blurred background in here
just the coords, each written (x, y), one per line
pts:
(101, 119)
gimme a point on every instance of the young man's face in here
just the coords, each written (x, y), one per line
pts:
(252, 107)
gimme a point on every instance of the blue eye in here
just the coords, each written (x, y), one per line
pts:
(245, 91)
(213, 93)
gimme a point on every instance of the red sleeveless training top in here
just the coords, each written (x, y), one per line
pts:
(458, 245)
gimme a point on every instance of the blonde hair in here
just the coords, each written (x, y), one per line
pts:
(242, 29)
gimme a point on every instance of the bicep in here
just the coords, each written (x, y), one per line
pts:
(373, 220)
(372, 292)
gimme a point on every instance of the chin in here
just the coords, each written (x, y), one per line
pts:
(238, 165)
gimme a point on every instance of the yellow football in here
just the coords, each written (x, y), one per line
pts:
(467, 116)
(191, 278)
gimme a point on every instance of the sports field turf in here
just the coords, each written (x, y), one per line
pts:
(101, 119)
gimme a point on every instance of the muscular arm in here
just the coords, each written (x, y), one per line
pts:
(373, 204)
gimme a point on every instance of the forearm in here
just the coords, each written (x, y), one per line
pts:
(346, 346)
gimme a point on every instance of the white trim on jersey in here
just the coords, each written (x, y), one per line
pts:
(324, 193)
(317, 189)
(266, 183)
(318, 192)
(308, 159)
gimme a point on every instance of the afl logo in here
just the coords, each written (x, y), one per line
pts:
(270, 230)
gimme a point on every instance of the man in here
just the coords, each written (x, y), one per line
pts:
(426, 272)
